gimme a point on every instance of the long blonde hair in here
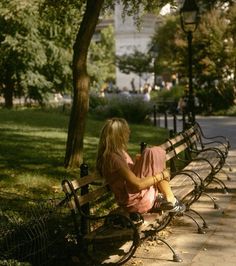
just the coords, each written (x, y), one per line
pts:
(114, 138)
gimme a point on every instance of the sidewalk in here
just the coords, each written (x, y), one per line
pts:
(214, 248)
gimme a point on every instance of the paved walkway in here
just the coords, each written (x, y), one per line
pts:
(217, 246)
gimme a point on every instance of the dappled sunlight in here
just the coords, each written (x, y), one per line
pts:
(33, 144)
(91, 141)
(31, 186)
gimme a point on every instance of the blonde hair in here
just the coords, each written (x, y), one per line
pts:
(114, 138)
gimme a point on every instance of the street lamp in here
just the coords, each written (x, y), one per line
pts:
(189, 16)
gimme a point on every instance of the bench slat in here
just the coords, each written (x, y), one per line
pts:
(177, 139)
(93, 195)
(86, 180)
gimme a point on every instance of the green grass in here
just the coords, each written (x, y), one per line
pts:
(32, 150)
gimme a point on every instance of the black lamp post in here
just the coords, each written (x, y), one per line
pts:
(189, 16)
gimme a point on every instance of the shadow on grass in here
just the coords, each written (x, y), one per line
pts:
(19, 149)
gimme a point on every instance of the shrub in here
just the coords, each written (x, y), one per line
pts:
(133, 109)
(167, 100)
(95, 101)
(215, 100)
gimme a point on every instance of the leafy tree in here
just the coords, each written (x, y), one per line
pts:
(136, 62)
(101, 58)
(36, 49)
(213, 58)
(209, 5)
(81, 84)
(213, 62)
(22, 53)
(167, 39)
(231, 38)
(81, 80)
(58, 32)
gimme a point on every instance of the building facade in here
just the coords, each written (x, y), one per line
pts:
(129, 38)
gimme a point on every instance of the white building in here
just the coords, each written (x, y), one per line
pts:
(128, 38)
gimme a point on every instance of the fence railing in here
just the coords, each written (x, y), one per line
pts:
(170, 121)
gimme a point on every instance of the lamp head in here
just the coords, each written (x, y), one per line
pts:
(189, 16)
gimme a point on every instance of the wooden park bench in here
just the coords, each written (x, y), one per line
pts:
(213, 148)
(106, 235)
(217, 142)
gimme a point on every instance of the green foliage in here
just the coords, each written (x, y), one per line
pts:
(230, 112)
(96, 101)
(13, 263)
(101, 62)
(166, 39)
(175, 93)
(133, 109)
(213, 73)
(209, 5)
(36, 48)
(137, 62)
(21, 51)
(59, 29)
(167, 100)
(213, 52)
(216, 98)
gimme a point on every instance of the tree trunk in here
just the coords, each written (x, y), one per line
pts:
(8, 95)
(77, 123)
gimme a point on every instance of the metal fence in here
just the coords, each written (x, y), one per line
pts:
(170, 121)
(33, 235)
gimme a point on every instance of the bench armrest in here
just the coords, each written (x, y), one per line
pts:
(216, 150)
(223, 138)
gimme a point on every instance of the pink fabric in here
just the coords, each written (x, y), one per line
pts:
(151, 162)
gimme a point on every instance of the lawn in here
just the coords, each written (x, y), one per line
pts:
(32, 150)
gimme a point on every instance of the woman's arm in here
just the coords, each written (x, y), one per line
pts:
(137, 184)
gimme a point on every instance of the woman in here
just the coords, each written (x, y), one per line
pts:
(134, 184)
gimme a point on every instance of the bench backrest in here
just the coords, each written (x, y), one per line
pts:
(193, 136)
(180, 143)
(79, 194)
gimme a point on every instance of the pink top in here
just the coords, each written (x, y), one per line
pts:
(151, 162)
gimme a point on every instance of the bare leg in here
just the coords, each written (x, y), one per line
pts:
(151, 162)
(165, 189)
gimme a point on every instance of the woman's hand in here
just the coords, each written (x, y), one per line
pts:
(137, 157)
(166, 174)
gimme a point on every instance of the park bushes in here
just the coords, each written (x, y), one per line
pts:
(132, 108)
